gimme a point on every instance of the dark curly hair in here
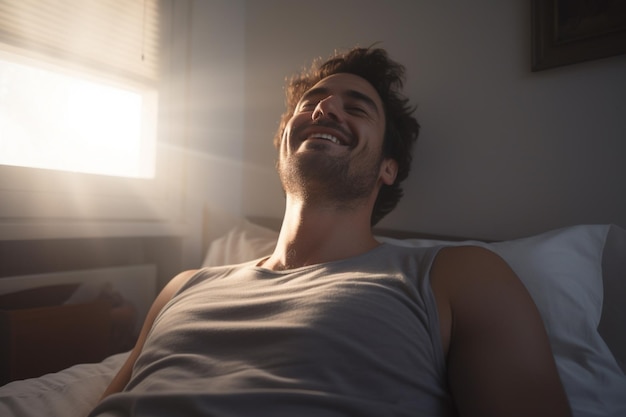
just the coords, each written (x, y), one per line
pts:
(401, 127)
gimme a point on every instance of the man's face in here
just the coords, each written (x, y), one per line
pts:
(331, 147)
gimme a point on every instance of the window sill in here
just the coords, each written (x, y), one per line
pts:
(36, 230)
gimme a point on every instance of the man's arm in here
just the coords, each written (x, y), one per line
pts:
(499, 358)
(123, 376)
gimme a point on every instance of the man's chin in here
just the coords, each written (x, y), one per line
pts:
(310, 170)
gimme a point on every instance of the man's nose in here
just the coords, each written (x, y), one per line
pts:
(328, 107)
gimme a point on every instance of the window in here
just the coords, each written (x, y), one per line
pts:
(53, 119)
(78, 85)
(82, 93)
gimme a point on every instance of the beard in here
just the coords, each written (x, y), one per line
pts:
(338, 181)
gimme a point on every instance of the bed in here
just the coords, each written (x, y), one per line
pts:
(576, 275)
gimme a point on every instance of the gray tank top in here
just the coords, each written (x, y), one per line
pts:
(355, 337)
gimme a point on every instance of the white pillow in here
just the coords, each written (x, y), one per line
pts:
(244, 242)
(567, 272)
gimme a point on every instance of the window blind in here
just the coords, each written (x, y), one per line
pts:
(112, 37)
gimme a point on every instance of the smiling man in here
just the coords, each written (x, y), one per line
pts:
(331, 166)
(333, 323)
(336, 151)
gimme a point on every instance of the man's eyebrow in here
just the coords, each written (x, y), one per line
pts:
(318, 91)
(357, 95)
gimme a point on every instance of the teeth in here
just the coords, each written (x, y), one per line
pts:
(326, 136)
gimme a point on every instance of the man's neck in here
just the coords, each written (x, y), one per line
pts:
(314, 235)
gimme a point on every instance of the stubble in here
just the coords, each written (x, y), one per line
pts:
(340, 181)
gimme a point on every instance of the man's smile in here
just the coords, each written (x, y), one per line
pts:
(332, 134)
(325, 136)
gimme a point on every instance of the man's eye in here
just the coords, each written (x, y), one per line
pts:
(356, 110)
(307, 106)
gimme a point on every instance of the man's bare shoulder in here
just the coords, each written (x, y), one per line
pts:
(465, 265)
(468, 279)
(494, 337)
(470, 255)
(465, 280)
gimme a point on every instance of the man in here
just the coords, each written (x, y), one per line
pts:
(332, 322)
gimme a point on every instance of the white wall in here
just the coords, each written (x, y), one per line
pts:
(503, 152)
(214, 119)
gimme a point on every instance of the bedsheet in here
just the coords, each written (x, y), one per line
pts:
(72, 392)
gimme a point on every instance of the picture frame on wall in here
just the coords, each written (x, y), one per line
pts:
(570, 31)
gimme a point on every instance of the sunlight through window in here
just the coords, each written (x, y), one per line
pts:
(52, 120)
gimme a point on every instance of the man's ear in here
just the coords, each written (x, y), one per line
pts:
(388, 171)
